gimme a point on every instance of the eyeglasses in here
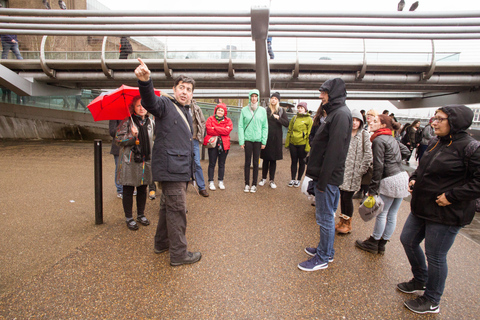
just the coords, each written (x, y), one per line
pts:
(439, 120)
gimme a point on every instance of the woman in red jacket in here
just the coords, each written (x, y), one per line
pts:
(219, 126)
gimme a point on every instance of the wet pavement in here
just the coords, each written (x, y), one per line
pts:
(57, 264)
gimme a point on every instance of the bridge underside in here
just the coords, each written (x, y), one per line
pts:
(406, 85)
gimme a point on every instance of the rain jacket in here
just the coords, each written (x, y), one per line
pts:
(329, 148)
(359, 157)
(299, 130)
(172, 155)
(129, 172)
(444, 169)
(222, 128)
(198, 121)
(257, 130)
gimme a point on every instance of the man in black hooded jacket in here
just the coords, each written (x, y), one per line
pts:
(444, 188)
(326, 166)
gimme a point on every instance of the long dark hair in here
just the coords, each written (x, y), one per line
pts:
(318, 115)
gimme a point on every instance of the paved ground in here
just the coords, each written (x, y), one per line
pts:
(57, 264)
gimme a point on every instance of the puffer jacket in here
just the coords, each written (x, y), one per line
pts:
(222, 128)
(387, 160)
(129, 172)
(299, 130)
(329, 147)
(444, 169)
(359, 159)
(257, 130)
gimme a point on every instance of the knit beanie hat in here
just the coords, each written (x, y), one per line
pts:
(276, 95)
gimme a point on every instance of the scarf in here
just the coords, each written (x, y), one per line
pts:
(380, 132)
(143, 136)
(253, 106)
(219, 119)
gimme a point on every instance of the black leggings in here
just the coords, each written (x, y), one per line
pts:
(298, 155)
(346, 202)
(252, 148)
(128, 200)
(269, 165)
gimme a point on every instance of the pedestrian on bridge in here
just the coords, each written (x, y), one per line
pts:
(172, 161)
(10, 42)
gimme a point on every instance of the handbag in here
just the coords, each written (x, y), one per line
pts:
(212, 142)
(371, 207)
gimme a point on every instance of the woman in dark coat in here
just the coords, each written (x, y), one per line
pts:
(277, 117)
(444, 189)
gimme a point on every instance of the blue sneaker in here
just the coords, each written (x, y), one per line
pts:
(312, 264)
(313, 252)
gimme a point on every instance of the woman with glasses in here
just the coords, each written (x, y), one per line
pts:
(444, 188)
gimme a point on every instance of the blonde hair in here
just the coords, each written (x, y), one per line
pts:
(372, 111)
(274, 108)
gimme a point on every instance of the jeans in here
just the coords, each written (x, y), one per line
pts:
(298, 155)
(119, 186)
(252, 148)
(386, 221)
(326, 204)
(213, 155)
(439, 239)
(198, 169)
(7, 46)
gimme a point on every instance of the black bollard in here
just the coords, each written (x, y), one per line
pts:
(98, 182)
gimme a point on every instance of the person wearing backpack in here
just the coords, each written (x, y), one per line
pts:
(444, 190)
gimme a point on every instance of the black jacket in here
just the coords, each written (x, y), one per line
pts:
(112, 129)
(387, 159)
(172, 155)
(274, 147)
(442, 169)
(329, 147)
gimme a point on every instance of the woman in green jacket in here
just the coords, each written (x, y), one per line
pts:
(297, 141)
(252, 136)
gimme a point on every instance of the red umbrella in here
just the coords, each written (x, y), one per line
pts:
(114, 105)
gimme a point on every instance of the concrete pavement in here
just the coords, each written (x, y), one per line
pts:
(57, 264)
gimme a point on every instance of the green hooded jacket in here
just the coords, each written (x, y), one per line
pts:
(299, 130)
(255, 130)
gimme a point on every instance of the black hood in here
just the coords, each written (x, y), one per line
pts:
(337, 94)
(460, 117)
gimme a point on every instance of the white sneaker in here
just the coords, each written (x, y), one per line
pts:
(221, 185)
(297, 183)
(253, 189)
(247, 188)
(262, 182)
(273, 185)
(211, 186)
(291, 183)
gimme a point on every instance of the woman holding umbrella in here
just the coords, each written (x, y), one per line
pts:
(135, 139)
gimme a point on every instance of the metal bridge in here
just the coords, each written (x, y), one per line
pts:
(429, 83)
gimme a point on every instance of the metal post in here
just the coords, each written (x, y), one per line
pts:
(98, 181)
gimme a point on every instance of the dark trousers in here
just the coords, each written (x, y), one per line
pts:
(172, 222)
(213, 155)
(252, 148)
(346, 202)
(269, 166)
(298, 155)
(128, 200)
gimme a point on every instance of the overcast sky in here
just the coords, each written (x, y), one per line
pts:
(470, 49)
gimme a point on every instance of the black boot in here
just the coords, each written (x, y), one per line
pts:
(381, 246)
(370, 245)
